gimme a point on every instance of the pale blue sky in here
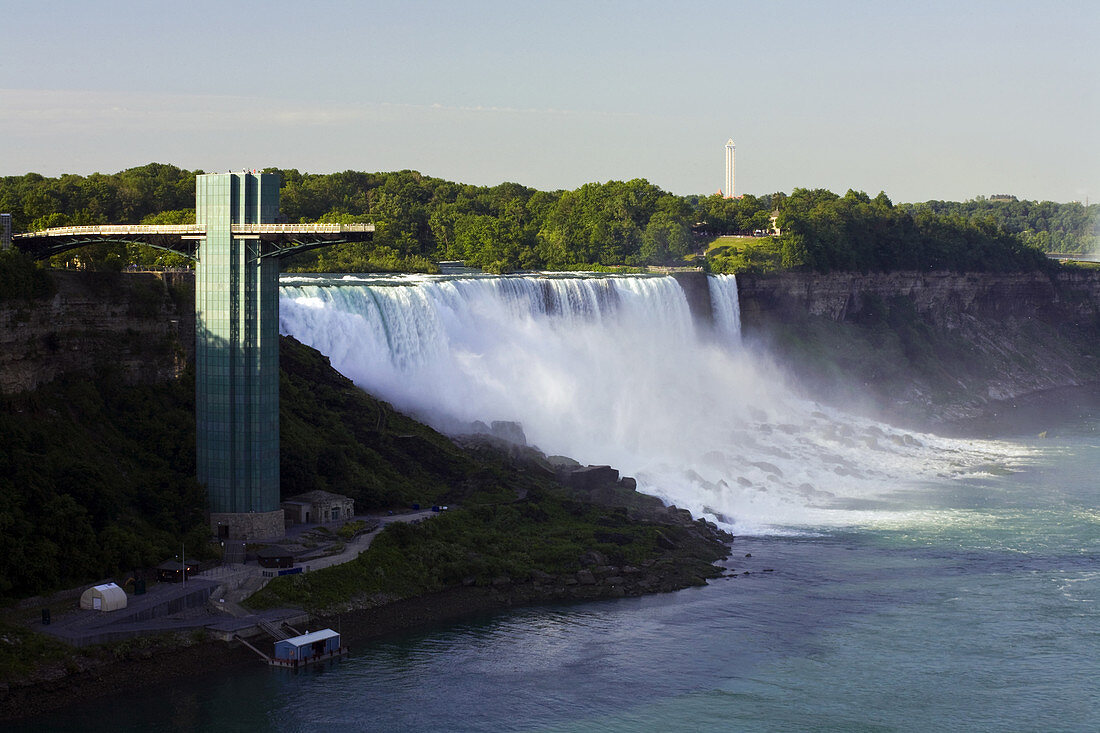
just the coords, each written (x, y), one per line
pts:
(921, 99)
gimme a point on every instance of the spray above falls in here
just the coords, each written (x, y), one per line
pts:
(616, 370)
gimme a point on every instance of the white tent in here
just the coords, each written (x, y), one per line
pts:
(106, 597)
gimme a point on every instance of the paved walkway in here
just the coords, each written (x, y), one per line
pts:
(238, 582)
(362, 542)
(208, 600)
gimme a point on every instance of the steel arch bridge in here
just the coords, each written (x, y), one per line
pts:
(277, 240)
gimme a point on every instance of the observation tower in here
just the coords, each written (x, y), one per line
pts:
(237, 243)
(728, 190)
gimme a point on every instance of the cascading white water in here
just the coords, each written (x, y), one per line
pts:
(725, 308)
(612, 370)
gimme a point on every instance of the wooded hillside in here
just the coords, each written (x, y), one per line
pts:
(421, 220)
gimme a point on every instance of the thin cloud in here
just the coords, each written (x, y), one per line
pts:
(44, 112)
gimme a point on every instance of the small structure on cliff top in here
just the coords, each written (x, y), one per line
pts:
(318, 507)
(106, 597)
(274, 556)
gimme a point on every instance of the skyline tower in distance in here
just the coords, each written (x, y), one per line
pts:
(728, 190)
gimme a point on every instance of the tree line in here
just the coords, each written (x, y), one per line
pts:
(825, 232)
(1066, 228)
(422, 220)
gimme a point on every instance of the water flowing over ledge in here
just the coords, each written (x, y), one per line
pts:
(614, 370)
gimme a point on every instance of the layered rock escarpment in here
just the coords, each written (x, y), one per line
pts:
(946, 298)
(938, 346)
(139, 325)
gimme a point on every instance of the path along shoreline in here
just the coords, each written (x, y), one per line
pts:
(153, 661)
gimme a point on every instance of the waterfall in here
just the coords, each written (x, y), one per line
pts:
(612, 370)
(726, 309)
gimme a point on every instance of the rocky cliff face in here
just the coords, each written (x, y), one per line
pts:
(944, 297)
(140, 325)
(933, 346)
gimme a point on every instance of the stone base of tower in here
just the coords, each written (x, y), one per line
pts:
(248, 526)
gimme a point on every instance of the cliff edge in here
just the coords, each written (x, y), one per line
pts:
(927, 348)
(140, 325)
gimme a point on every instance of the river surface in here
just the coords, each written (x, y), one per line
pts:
(885, 581)
(980, 613)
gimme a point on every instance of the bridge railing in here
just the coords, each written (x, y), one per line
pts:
(116, 229)
(300, 228)
(195, 229)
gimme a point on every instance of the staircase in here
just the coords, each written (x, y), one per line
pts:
(273, 630)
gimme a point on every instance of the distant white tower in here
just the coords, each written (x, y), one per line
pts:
(729, 169)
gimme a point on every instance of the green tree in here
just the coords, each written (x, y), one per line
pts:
(666, 238)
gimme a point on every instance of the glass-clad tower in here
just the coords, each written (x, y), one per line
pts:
(237, 354)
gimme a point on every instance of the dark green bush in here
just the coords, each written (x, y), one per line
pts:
(21, 278)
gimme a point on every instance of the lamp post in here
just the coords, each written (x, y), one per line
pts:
(183, 561)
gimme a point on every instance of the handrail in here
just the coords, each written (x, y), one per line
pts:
(195, 229)
(300, 228)
(241, 639)
(108, 229)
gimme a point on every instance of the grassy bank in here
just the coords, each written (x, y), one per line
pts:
(736, 254)
(544, 546)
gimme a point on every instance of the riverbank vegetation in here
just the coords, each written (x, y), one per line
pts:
(422, 220)
(514, 531)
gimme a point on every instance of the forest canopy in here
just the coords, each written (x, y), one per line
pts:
(422, 220)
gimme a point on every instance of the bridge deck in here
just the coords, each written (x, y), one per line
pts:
(185, 238)
(114, 230)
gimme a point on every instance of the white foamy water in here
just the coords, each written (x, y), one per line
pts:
(613, 370)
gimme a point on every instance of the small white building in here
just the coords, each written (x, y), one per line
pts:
(106, 597)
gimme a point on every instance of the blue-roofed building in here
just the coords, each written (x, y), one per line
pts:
(307, 648)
